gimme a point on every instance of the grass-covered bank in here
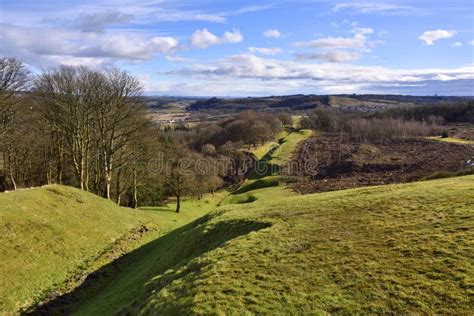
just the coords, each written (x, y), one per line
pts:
(53, 236)
(397, 249)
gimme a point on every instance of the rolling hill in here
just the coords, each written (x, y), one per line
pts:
(300, 102)
(395, 249)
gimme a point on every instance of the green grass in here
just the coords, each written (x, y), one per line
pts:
(288, 145)
(250, 185)
(191, 209)
(55, 235)
(265, 184)
(451, 140)
(262, 194)
(396, 249)
(262, 150)
(450, 174)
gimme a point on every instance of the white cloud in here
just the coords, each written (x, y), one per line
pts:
(359, 41)
(232, 37)
(272, 33)
(443, 77)
(457, 44)
(251, 66)
(164, 44)
(336, 56)
(429, 37)
(368, 7)
(470, 43)
(363, 30)
(268, 51)
(46, 45)
(203, 38)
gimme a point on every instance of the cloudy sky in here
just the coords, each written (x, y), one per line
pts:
(243, 48)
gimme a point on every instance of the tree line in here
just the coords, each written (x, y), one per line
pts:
(89, 128)
(394, 123)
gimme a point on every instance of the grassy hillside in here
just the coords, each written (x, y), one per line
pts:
(403, 249)
(53, 236)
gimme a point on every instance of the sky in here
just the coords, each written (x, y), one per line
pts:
(253, 48)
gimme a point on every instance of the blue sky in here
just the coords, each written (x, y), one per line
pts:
(253, 48)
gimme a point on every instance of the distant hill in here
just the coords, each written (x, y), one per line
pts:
(306, 102)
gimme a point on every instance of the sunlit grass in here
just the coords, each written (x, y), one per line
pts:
(451, 140)
(288, 145)
(53, 234)
(396, 249)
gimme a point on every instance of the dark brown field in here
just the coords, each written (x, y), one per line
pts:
(332, 162)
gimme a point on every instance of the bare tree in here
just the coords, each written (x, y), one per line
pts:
(14, 80)
(120, 117)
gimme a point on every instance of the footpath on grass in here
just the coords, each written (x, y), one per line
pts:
(264, 183)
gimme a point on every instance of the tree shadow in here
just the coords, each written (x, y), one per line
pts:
(171, 209)
(137, 273)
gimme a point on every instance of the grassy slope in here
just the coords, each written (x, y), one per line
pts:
(273, 161)
(261, 151)
(391, 249)
(288, 145)
(49, 232)
(52, 235)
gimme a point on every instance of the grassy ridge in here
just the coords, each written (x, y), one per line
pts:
(403, 249)
(54, 235)
(288, 145)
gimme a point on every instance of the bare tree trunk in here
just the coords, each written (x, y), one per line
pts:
(12, 178)
(117, 186)
(108, 180)
(178, 203)
(107, 174)
(135, 193)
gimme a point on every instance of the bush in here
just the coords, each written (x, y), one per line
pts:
(445, 134)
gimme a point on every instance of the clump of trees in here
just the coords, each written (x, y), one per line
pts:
(75, 126)
(462, 112)
(370, 128)
(248, 128)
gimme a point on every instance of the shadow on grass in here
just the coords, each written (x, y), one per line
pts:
(141, 271)
(258, 184)
(264, 167)
(249, 199)
(171, 209)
